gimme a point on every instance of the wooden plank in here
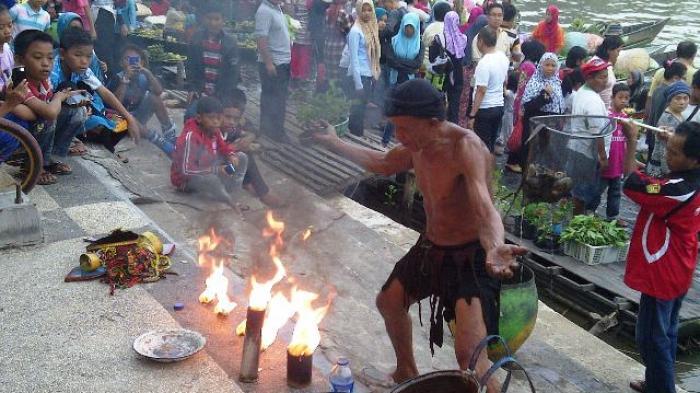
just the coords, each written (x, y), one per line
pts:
(286, 160)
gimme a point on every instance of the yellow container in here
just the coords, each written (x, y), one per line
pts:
(90, 262)
(154, 240)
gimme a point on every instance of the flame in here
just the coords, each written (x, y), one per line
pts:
(279, 311)
(306, 336)
(261, 293)
(306, 235)
(217, 287)
(207, 244)
(275, 228)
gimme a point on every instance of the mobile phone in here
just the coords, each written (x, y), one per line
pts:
(230, 169)
(134, 61)
(18, 75)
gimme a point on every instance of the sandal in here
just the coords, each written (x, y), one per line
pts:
(77, 148)
(59, 168)
(46, 178)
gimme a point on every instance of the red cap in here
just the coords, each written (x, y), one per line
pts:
(594, 65)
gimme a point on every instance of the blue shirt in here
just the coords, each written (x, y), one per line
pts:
(355, 57)
(25, 18)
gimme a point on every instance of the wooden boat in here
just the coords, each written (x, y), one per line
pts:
(642, 34)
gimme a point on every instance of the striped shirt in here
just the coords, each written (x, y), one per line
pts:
(25, 18)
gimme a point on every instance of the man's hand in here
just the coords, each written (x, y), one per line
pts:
(324, 132)
(15, 95)
(665, 135)
(134, 129)
(271, 69)
(500, 261)
(124, 31)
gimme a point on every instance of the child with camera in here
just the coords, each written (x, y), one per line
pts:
(72, 68)
(203, 162)
(139, 91)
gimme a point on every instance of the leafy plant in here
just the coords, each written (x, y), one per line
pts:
(390, 195)
(504, 198)
(594, 231)
(331, 106)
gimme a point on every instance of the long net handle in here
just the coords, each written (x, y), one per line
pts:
(647, 126)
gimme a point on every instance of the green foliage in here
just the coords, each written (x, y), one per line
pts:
(582, 26)
(331, 106)
(594, 231)
(503, 197)
(390, 195)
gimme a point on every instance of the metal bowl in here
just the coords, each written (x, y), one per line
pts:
(169, 345)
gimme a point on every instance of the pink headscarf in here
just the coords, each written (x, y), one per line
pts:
(553, 25)
(455, 41)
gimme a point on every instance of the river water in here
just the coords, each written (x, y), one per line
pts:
(684, 14)
(684, 25)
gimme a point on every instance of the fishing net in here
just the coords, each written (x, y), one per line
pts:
(563, 157)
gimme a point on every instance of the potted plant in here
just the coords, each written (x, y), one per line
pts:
(550, 228)
(593, 240)
(331, 106)
(532, 216)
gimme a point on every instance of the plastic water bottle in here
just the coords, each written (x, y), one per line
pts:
(341, 376)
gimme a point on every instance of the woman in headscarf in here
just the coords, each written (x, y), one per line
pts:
(405, 54)
(337, 27)
(454, 44)
(677, 97)
(635, 81)
(549, 32)
(361, 57)
(403, 58)
(533, 52)
(542, 97)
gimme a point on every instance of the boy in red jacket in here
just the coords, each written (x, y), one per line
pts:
(203, 161)
(663, 250)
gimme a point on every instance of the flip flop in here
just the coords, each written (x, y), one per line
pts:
(46, 179)
(58, 168)
(77, 148)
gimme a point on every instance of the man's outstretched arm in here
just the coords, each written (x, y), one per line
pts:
(477, 165)
(388, 163)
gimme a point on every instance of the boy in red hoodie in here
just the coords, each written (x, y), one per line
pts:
(203, 161)
(663, 250)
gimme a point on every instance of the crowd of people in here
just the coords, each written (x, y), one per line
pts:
(438, 69)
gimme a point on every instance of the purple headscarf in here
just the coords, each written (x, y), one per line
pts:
(455, 41)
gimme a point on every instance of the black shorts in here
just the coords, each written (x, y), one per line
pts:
(445, 275)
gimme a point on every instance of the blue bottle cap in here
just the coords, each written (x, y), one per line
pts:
(178, 306)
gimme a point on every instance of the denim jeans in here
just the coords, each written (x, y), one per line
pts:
(657, 339)
(70, 123)
(487, 124)
(273, 101)
(614, 187)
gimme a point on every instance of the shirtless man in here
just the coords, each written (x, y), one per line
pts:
(464, 236)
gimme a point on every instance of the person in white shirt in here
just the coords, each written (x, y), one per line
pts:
(489, 80)
(692, 113)
(411, 7)
(589, 153)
